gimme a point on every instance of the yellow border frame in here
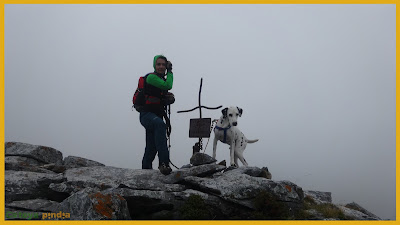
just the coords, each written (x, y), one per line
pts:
(2, 185)
(199, 2)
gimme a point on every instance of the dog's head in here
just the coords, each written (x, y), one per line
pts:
(232, 113)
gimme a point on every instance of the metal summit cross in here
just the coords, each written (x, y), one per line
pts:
(199, 127)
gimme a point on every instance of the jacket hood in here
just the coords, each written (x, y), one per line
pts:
(155, 60)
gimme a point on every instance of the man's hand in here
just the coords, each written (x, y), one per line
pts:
(169, 66)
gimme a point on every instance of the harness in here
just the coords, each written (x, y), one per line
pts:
(224, 129)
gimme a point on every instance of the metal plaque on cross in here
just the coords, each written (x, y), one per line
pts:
(200, 128)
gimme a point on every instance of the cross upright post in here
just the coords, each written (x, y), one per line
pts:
(199, 127)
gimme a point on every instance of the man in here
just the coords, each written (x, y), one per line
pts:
(151, 117)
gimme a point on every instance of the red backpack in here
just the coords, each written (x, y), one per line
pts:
(141, 98)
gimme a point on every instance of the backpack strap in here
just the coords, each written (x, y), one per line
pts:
(145, 78)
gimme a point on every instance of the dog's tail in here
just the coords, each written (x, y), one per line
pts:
(252, 141)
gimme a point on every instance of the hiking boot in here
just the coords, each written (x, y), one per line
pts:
(164, 169)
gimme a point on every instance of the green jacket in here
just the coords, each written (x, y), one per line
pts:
(159, 82)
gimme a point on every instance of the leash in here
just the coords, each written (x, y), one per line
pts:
(212, 127)
(169, 135)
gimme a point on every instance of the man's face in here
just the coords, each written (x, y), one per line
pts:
(161, 66)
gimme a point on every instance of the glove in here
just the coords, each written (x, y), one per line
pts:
(169, 98)
(169, 66)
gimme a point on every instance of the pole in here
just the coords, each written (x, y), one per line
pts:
(200, 139)
(201, 85)
(169, 136)
(169, 117)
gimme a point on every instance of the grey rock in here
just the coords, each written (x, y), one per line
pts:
(184, 195)
(319, 197)
(186, 166)
(64, 187)
(254, 171)
(71, 187)
(107, 177)
(265, 173)
(230, 168)
(40, 153)
(90, 204)
(35, 205)
(355, 214)
(140, 194)
(23, 185)
(217, 174)
(19, 163)
(198, 159)
(199, 171)
(54, 167)
(76, 162)
(151, 185)
(143, 203)
(238, 187)
(251, 171)
(22, 161)
(357, 207)
(37, 180)
(222, 163)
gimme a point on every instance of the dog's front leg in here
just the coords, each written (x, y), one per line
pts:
(232, 151)
(215, 147)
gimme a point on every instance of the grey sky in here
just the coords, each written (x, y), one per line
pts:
(316, 83)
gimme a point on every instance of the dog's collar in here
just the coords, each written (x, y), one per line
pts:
(224, 129)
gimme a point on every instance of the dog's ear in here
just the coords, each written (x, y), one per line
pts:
(240, 111)
(224, 112)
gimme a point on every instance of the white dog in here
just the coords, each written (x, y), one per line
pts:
(227, 132)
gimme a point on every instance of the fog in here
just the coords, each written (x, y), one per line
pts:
(316, 84)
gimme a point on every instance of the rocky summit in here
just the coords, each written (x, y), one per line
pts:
(40, 184)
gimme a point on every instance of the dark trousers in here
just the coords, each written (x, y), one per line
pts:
(156, 140)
